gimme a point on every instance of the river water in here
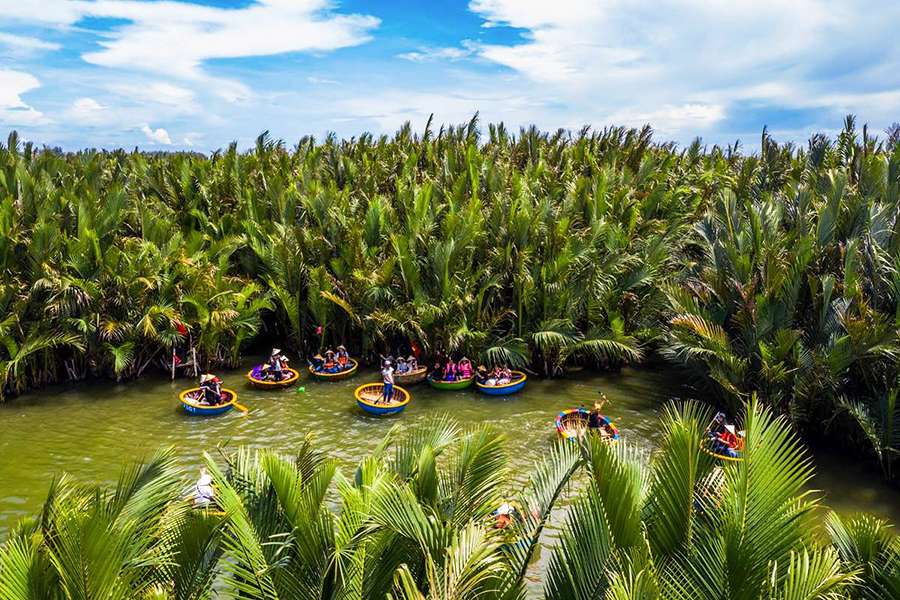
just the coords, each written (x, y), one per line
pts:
(91, 430)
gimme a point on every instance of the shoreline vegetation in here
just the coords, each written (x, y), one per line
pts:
(775, 273)
(436, 512)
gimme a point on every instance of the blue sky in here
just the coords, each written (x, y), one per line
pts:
(198, 74)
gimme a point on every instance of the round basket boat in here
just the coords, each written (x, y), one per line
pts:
(572, 424)
(516, 385)
(459, 384)
(255, 377)
(740, 448)
(368, 398)
(345, 374)
(190, 401)
(412, 377)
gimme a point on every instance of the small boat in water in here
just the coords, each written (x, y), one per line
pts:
(716, 449)
(572, 424)
(190, 400)
(411, 377)
(456, 384)
(504, 389)
(346, 373)
(257, 378)
(369, 397)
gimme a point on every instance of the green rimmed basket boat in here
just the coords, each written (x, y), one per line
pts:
(459, 384)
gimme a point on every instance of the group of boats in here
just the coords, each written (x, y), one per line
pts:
(721, 441)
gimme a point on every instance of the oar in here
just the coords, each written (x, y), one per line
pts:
(241, 407)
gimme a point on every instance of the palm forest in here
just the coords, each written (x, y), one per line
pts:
(768, 281)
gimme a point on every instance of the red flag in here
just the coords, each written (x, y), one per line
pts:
(319, 330)
(416, 350)
(182, 330)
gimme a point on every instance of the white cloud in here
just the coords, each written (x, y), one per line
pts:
(428, 54)
(87, 111)
(157, 92)
(685, 65)
(13, 109)
(23, 45)
(157, 136)
(321, 80)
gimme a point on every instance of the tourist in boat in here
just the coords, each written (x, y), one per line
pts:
(317, 363)
(204, 494)
(437, 371)
(387, 379)
(274, 368)
(464, 368)
(402, 367)
(494, 377)
(412, 363)
(503, 516)
(722, 436)
(505, 376)
(481, 374)
(211, 387)
(449, 370)
(596, 421)
(331, 365)
(343, 357)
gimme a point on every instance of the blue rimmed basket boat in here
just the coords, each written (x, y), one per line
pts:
(339, 375)
(190, 400)
(368, 398)
(572, 424)
(516, 385)
(256, 379)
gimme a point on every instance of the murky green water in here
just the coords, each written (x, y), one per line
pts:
(91, 430)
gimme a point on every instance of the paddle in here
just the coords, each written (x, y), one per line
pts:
(241, 407)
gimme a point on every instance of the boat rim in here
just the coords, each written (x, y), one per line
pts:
(190, 402)
(294, 377)
(406, 394)
(343, 372)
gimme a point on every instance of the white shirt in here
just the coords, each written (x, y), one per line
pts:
(387, 375)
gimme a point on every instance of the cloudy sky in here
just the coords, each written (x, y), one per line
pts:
(199, 74)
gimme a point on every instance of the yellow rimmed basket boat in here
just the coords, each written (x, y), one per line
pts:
(337, 376)
(255, 377)
(190, 400)
(369, 398)
(412, 377)
(740, 449)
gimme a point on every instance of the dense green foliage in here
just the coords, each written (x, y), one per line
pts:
(414, 521)
(776, 273)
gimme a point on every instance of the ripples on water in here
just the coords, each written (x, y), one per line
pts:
(91, 430)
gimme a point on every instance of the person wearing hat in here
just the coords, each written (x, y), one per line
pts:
(204, 494)
(387, 380)
(464, 368)
(275, 369)
(317, 362)
(503, 516)
(330, 363)
(402, 367)
(343, 357)
(212, 389)
(412, 363)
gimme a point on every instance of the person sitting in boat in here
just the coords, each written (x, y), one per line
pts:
(402, 367)
(464, 368)
(494, 377)
(437, 371)
(504, 515)
(343, 357)
(449, 370)
(481, 374)
(317, 363)
(204, 494)
(211, 387)
(331, 365)
(727, 442)
(505, 376)
(387, 380)
(412, 363)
